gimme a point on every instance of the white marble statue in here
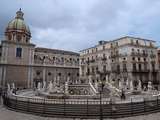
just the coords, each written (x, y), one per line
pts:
(13, 86)
(90, 78)
(44, 85)
(131, 86)
(68, 79)
(39, 86)
(120, 85)
(96, 85)
(139, 85)
(66, 87)
(8, 88)
(149, 86)
(50, 86)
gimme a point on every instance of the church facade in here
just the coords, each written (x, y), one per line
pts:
(24, 64)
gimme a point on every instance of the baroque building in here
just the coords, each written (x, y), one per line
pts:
(125, 63)
(24, 64)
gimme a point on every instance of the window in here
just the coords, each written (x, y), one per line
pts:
(153, 66)
(9, 36)
(140, 67)
(92, 51)
(19, 37)
(124, 67)
(69, 74)
(134, 66)
(49, 74)
(137, 42)
(77, 74)
(111, 45)
(133, 58)
(118, 68)
(145, 66)
(116, 43)
(38, 72)
(19, 52)
(59, 74)
(104, 68)
(104, 55)
(103, 47)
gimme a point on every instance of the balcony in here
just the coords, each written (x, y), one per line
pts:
(154, 70)
(103, 72)
(140, 70)
(139, 54)
(104, 59)
(140, 45)
(152, 56)
(92, 61)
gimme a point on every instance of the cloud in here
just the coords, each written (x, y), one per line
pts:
(78, 24)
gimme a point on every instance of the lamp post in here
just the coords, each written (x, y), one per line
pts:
(101, 91)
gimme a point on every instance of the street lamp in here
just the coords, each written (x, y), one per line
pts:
(102, 84)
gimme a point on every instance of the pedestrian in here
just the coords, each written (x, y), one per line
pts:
(0, 95)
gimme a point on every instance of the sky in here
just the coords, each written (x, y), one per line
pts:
(78, 24)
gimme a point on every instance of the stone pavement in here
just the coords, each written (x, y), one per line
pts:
(6, 114)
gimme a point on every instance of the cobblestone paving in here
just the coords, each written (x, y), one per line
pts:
(6, 114)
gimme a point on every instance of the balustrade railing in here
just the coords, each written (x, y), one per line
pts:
(86, 108)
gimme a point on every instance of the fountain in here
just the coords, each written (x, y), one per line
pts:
(52, 91)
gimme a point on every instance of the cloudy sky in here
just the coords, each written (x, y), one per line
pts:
(78, 24)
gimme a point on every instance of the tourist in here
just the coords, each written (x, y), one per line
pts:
(0, 94)
(123, 97)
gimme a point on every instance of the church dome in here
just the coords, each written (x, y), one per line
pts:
(17, 30)
(18, 24)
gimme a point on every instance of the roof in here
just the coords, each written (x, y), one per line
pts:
(104, 42)
(55, 51)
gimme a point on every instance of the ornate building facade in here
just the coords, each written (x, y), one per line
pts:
(24, 64)
(125, 63)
